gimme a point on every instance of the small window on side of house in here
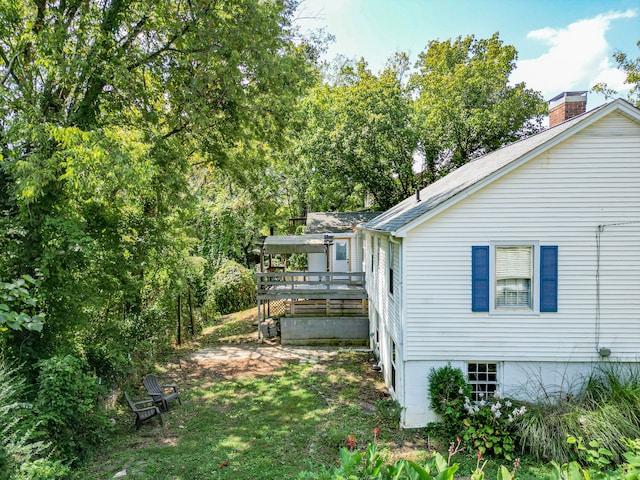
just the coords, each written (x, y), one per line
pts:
(483, 378)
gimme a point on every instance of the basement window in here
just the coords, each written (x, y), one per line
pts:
(483, 378)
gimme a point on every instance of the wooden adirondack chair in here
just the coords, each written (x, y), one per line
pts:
(157, 391)
(144, 410)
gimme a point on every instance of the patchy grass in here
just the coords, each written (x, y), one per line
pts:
(249, 418)
(234, 328)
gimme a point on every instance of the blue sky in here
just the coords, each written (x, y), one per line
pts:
(562, 45)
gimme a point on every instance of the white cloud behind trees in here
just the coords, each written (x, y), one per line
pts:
(567, 45)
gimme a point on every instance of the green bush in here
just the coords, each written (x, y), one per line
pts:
(21, 456)
(68, 409)
(490, 426)
(232, 288)
(448, 389)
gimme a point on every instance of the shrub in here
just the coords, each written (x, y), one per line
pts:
(21, 456)
(490, 426)
(232, 288)
(448, 389)
(67, 404)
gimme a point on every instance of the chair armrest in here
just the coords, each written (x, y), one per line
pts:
(148, 409)
(175, 387)
(144, 402)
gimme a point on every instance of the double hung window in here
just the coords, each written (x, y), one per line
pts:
(514, 277)
(507, 277)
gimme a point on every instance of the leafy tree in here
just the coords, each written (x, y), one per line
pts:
(18, 307)
(358, 141)
(106, 107)
(465, 106)
(631, 68)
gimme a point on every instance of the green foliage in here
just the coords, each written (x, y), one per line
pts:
(110, 111)
(229, 228)
(631, 68)
(465, 105)
(597, 464)
(606, 409)
(448, 389)
(490, 426)
(22, 457)
(232, 288)
(357, 140)
(369, 465)
(18, 306)
(67, 407)
(486, 426)
(447, 385)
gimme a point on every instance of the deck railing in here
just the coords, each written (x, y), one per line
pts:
(288, 284)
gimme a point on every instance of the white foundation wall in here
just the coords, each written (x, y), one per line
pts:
(518, 380)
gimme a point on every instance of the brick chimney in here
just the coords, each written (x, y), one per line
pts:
(565, 106)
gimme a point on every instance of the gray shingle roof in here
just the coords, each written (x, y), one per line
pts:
(465, 177)
(336, 222)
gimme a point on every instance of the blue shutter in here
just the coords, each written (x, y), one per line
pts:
(548, 278)
(480, 279)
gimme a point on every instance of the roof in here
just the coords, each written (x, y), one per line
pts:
(294, 244)
(336, 222)
(441, 193)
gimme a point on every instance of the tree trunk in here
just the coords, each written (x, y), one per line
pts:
(179, 319)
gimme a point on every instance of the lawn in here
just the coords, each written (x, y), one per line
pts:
(261, 418)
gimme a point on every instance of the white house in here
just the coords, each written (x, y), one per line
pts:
(521, 267)
(345, 254)
(326, 304)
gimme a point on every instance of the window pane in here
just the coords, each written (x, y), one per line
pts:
(341, 251)
(514, 262)
(483, 378)
(514, 266)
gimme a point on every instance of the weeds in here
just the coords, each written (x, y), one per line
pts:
(607, 409)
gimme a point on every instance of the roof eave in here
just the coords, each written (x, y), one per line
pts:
(618, 104)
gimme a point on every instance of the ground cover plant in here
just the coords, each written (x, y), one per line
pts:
(255, 411)
(606, 410)
(267, 416)
(258, 417)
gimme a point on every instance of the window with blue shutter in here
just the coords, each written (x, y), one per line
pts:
(480, 279)
(548, 278)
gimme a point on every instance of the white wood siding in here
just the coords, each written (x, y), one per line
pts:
(559, 198)
(385, 304)
(317, 262)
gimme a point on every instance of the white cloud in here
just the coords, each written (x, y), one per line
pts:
(578, 57)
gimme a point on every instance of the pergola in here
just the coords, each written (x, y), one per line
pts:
(290, 244)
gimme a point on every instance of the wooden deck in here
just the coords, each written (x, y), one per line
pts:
(317, 308)
(349, 307)
(311, 285)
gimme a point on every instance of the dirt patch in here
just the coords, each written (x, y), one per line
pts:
(230, 361)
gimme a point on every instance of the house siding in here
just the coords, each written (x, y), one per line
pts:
(559, 198)
(385, 305)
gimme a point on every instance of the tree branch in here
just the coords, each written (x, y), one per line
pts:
(134, 33)
(10, 63)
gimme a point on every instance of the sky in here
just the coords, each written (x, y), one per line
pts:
(563, 45)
